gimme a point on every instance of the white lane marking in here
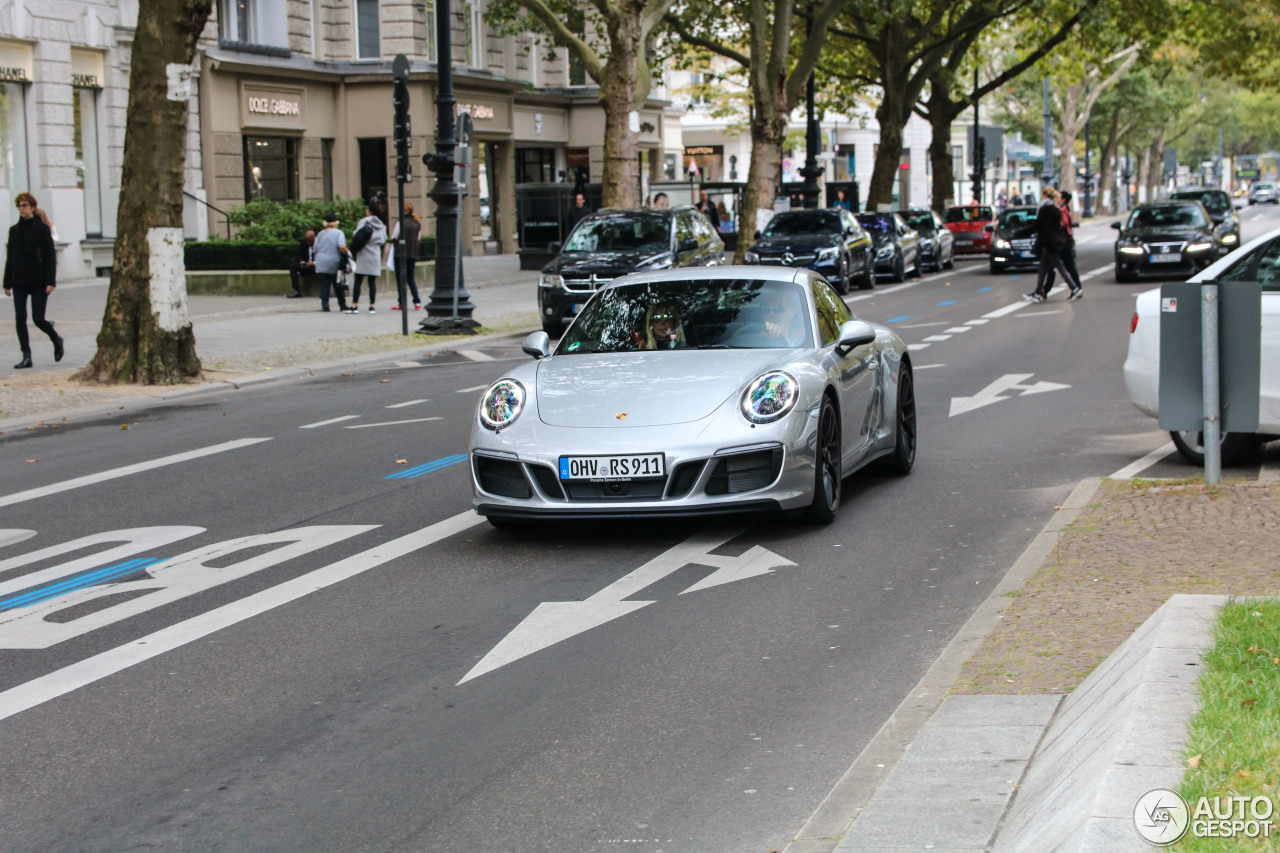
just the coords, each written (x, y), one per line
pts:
(956, 330)
(554, 621)
(1008, 309)
(1041, 313)
(29, 494)
(406, 403)
(937, 338)
(1133, 469)
(408, 364)
(1094, 273)
(992, 393)
(13, 536)
(918, 347)
(475, 355)
(330, 421)
(928, 366)
(472, 388)
(136, 540)
(921, 325)
(976, 322)
(63, 681)
(393, 423)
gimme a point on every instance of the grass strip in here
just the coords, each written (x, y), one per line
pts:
(1233, 744)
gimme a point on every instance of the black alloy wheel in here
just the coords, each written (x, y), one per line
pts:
(867, 280)
(1235, 448)
(899, 269)
(843, 286)
(828, 468)
(903, 458)
(951, 259)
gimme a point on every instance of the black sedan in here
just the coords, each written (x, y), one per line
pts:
(613, 242)
(1172, 238)
(1013, 240)
(829, 242)
(1226, 222)
(897, 245)
(937, 244)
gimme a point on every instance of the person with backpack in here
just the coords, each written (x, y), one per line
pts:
(366, 245)
(409, 230)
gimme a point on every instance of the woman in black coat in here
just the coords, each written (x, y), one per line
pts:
(30, 271)
(1052, 239)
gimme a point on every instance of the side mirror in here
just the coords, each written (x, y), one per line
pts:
(688, 244)
(853, 334)
(554, 248)
(538, 345)
(1116, 225)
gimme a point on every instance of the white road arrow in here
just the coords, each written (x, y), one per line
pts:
(554, 621)
(993, 392)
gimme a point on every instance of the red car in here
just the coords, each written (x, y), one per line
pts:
(969, 225)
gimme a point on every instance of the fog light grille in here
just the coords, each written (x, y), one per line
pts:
(745, 472)
(502, 477)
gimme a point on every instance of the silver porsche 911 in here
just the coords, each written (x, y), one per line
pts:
(695, 392)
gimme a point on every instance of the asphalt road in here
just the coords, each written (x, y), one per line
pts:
(347, 662)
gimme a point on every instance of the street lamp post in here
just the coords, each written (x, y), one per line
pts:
(979, 158)
(1046, 171)
(811, 169)
(449, 309)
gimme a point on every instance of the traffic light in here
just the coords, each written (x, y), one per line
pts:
(403, 132)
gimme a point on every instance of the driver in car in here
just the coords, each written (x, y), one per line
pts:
(662, 327)
(781, 319)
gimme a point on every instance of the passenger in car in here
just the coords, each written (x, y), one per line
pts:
(663, 329)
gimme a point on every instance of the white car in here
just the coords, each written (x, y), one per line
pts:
(1258, 260)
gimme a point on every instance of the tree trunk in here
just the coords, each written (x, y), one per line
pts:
(764, 176)
(621, 179)
(1107, 182)
(1070, 125)
(942, 113)
(892, 115)
(146, 335)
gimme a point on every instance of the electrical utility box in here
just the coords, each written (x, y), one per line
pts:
(1181, 385)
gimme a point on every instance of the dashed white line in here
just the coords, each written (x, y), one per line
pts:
(937, 338)
(956, 330)
(928, 366)
(406, 403)
(976, 322)
(921, 325)
(114, 473)
(918, 347)
(392, 423)
(1130, 471)
(330, 421)
(1040, 313)
(1006, 310)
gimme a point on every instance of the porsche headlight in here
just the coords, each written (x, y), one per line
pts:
(751, 257)
(1203, 246)
(828, 254)
(769, 397)
(550, 280)
(502, 404)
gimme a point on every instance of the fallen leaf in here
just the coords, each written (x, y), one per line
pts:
(124, 426)
(348, 374)
(33, 460)
(402, 461)
(384, 381)
(1194, 761)
(1248, 703)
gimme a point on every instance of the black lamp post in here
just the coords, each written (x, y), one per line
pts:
(449, 309)
(1046, 171)
(811, 169)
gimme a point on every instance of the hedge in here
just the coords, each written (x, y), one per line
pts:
(243, 255)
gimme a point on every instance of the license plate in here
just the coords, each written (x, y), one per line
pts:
(616, 468)
(1166, 259)
(575, 308)
(1026, 254)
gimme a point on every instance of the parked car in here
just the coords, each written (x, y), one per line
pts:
(897, 245)
(1263, 192)
(968, 224)
(1226, 222)
(1013, 240)
(613, 242)
(829, 242)
(695, 392)
(937, 245)
(1171, 238)
(1258, 260)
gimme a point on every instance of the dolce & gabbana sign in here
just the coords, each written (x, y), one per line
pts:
(274, 106)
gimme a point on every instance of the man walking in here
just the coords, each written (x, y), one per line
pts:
(579, 211)
(1052, 239)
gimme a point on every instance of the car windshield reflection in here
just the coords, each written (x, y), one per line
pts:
(682, 315)
(1173, 216)
(806, 222)
(634, 232)
(1017, 218)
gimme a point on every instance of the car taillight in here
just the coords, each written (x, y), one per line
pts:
(1133, 324)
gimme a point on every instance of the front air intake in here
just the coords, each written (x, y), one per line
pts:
(745, 472)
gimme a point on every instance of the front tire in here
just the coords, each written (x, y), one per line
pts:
(951, 259)
(899, 270)
(843, 287)
(1236, 448)
(828, 480)
(867, 280)
(904, 437)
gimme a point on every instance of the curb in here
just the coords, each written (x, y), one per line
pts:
(284, 374)
(836, 814)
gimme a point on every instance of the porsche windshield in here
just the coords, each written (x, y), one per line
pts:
(691, 314)
(630, 232)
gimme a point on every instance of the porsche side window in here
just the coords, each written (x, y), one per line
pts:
(832, 312)
(1261, 265)
(684, 227)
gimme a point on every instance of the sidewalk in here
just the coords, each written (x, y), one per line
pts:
(245, 336)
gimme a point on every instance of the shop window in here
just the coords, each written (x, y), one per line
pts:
(373, 167)
(326, 169)
(368, 37)
(257, 25)
(84, 106)
(13, 138)
(535, 165)
(270, 168)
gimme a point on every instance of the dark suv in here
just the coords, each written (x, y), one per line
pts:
(613, 242)
(1226, 222)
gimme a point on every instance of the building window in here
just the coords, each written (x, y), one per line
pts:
(270, 168)
(957, 162)
(326, 169)
(535, 165)
(84, 105)
(368, 38)
(699, 89)
(254, 23)
(473, 32)
(577, 71)
(373, 168)
(13, 138)
(431, 30)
